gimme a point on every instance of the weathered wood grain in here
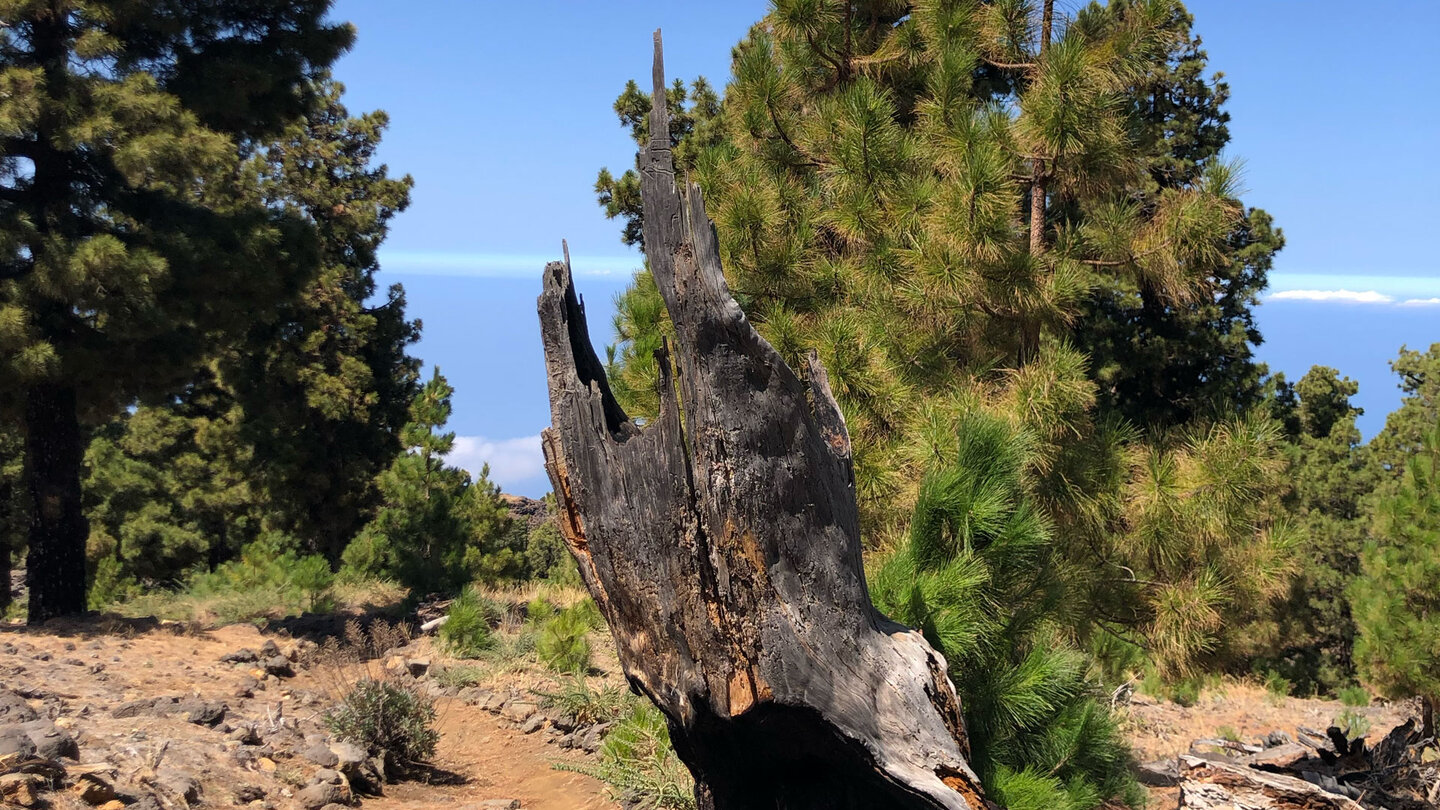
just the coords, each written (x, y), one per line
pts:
(723, 547)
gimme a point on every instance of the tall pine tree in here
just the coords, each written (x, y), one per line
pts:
(132, 240)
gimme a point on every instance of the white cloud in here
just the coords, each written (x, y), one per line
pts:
(1338, 296)
(1421, 302)
(513, 462)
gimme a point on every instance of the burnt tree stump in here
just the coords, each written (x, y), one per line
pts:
(723, 547)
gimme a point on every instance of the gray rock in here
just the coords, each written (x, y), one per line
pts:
(245, 734)
(243, 656)
(246, 794)
(14, 709)
(51, 741)
(269, 649)
(279, 666)
(326, 776)
(1160, 773)
(498, 804)
(589, 740)
(205, 713)
(320, 755)
(15, 742)
(519, 711)
(180, 782)
(534, 724)
(133, 708)
(317, 796)
(1277, 738)
(349, 756)
(565, 723)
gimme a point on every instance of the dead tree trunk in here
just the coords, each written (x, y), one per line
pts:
(724, 549)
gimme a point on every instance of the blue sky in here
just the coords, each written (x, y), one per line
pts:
(501, 112)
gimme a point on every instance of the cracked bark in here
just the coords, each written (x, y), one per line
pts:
(723, 547)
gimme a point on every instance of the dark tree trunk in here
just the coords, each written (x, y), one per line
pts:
(7, 519)
(724, 548)
(54, 450)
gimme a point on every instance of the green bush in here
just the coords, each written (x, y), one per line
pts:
(576, 698)
(1354, 696)
(638, 763)
(386, 717)
(1354, 723)
(563, 644)
(466, 631)
(539, 610)
(1041, 734)
(1277, 685)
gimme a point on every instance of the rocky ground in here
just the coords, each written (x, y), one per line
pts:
(150, 716)
(146, 715)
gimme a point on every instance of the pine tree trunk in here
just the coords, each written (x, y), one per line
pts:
(54, 450)
(724, 548)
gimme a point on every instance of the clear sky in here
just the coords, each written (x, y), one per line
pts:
(502, 113)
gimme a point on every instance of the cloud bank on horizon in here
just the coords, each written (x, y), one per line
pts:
(517, 464)
(1416, 290)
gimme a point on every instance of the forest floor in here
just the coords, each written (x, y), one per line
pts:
(161, 721)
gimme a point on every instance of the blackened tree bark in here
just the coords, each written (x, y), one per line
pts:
(723, 548)
(54, 451)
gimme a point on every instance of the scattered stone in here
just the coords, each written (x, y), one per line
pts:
(326, 776)
(15, 743)
(1277, 738)
(181, 783)
(418, 666)
(1160, 773)
(51, 741)
(14, 709)
(205, 713)
(269, 649)
(245, 794)
(93, 789)
(279, 666)
(321, 755)
(534, 724)
(243, 656)
(265, 764)
(349, 756)
(498, 804)
(565, 723)
(519, 711)
(113, 804)
(315, 797)
(590, 740)
(133, 708)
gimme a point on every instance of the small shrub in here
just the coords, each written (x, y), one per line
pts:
(1355, 696)
(539, 610)
(1353, 723)
(384, 716)
(466, 632)
(563, 644)
(638, 763)
(460, 677)
(587, 705)
(1277, 685)
(1228, 733)
(587, 611)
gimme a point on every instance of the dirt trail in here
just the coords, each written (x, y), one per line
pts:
(78, 674)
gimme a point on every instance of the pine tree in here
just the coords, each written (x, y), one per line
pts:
(1419, 374)
(934, 196)
(977, 575)
(132, 240)
(326, 385)
(169, 491)
(1332, 475)
(1395, 601)
(1164, 362)
(436, 529)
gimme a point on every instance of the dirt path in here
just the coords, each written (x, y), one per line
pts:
(78, 674)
